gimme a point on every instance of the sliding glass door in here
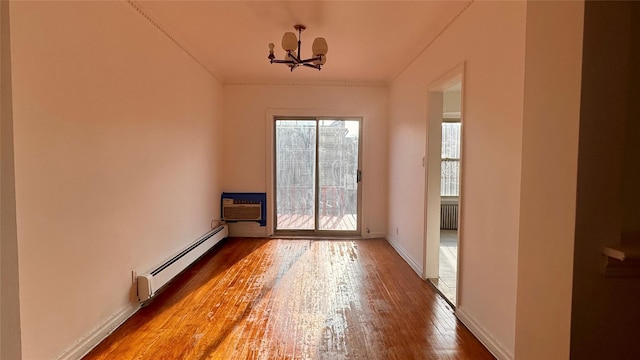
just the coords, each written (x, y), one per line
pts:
(295, 174)
(317, 175)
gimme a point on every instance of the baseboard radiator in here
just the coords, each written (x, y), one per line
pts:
(449, 216)
(151, 282)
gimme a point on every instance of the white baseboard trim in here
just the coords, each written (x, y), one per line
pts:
(94, 337)
(374, 235)
(497, 349)
(398, 248)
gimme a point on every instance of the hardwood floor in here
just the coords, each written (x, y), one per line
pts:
(295, 299)
(347, 222)
(448, 263)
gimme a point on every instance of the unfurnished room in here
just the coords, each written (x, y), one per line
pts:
(320, 179)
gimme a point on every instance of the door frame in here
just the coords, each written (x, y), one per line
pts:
(433, 150)
(271, 116)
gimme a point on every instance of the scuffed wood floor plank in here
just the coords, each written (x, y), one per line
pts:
(295, 299)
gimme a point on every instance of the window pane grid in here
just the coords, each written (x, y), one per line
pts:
(450, 164)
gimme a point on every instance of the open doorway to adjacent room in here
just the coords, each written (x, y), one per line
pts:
(443, 183)
(449, 192)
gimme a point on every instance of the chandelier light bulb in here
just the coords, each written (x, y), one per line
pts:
(320, 62)
(271, 56)
(320, 46)
(289, 41)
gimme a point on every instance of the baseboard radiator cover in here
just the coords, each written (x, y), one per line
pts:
(154, 280)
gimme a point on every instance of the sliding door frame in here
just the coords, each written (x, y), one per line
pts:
(317, 190)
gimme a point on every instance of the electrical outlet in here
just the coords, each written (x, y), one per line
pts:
(368, 231)
(396, 231)
(134, 276)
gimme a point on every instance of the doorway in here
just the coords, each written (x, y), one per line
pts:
(449, 192)
(317, 176)
(442, 203)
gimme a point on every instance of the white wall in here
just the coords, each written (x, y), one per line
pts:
(117, 149)
(489, 37)
(520, 106)
(451, 101)
(549, 173)
(246, 147)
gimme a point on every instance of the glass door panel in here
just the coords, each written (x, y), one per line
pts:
(338, 145)
(317, 175)
(295, 157)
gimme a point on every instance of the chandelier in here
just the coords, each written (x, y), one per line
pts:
(292, 58)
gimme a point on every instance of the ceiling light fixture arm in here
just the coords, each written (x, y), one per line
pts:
(299, 28)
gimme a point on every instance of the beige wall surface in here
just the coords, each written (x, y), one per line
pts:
(549, 170)
(117, 149)
(605, 313)
(451, 101)
(489, 37)
(247, 148)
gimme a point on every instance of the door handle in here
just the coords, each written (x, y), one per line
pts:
(358, 175)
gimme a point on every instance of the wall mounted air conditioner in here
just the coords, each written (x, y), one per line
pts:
(235, 207)
(232, 210)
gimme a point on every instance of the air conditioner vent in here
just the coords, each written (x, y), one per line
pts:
(239, 212)
(236, 207)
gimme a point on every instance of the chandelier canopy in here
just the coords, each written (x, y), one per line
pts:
(292, 58)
